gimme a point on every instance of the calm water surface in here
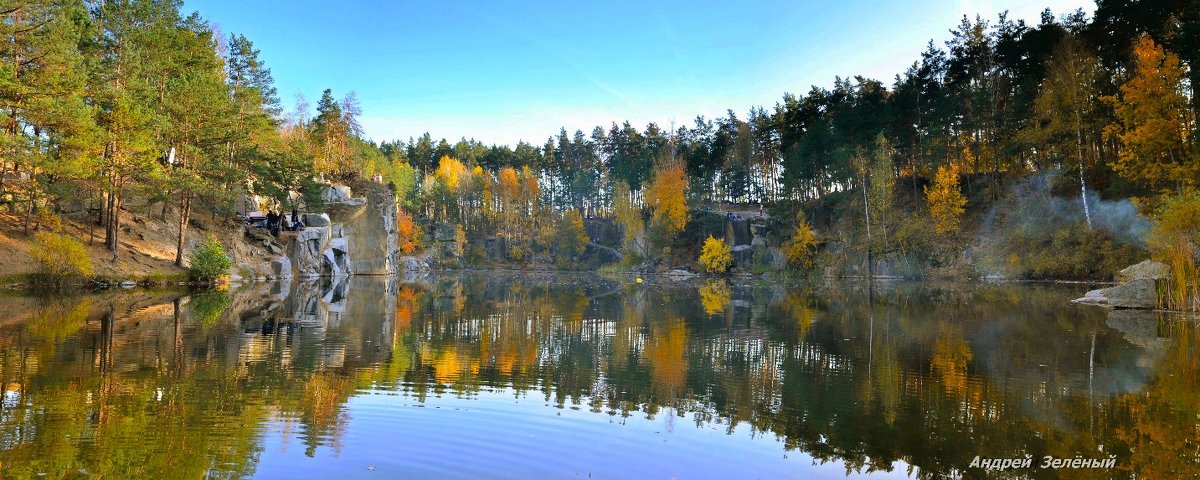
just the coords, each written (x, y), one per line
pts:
(486, 376)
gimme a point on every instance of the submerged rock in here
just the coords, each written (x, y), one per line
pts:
(680, 274)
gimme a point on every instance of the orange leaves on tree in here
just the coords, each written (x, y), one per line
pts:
(407, 234)
(1154, 122)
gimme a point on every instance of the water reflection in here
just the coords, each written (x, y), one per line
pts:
(558, 376)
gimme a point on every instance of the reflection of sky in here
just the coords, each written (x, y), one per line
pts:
(495, 434)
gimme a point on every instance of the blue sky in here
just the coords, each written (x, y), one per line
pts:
(501, 71)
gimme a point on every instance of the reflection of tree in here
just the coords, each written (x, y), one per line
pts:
(1163, 433)
(56, 320)
(207, 306)
(665, 351)
(951, 354)
(715, 297)
(873, 382)
(324, 394)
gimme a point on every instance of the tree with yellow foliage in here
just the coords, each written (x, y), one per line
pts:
(799, 250)
(667, 201)
(508, 188)
(1155, 125)
(946, 201)
(715, 255)
(449, 180)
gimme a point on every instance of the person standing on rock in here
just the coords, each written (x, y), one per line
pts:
(273, 221)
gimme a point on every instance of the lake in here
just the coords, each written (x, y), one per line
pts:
(574, 376)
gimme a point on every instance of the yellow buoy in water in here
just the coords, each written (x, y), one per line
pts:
(639, 279)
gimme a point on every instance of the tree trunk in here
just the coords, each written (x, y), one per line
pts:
(185, 210)
(1087, 212)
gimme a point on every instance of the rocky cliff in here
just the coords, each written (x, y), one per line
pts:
(356, 235)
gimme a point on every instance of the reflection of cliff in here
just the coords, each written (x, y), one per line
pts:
(918, 374)
(164, 391)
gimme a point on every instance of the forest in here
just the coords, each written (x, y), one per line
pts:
(103, 101)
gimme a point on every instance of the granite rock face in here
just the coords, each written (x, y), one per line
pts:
(355, 236)
(282, 267)
(366, 228)
(307, 251)
(336, 194)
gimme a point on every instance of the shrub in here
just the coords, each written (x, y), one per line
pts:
(1175, 241)
(715, 256)
(1068, 251)
(60, 258)
(209, 261)
(799, 250)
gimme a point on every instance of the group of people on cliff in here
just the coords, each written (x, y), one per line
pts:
(279, 221)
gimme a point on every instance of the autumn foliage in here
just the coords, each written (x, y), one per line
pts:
(715, 256)
(1153, 121)
(60, 258)
(946, 202)
(408, 235)
(667, 200)
(799, 250)
(1175, 241)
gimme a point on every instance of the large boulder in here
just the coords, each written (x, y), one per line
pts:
(1138, 288)
(1147, 269)
(1141, 293)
